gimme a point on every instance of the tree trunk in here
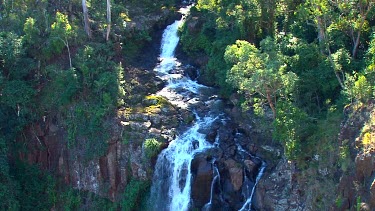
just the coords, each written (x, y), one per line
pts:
(270, 102)
(70, 58)
(334, 68)
(357, 39)
(363, 15)
(67, 46)
(108, 19)
(322, 40)
(86, 19)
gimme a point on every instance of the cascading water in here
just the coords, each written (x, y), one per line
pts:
(173, 170)
(171, 188)
(214, 181)
(249, 191)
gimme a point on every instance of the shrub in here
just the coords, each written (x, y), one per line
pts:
(133, 194)
(358, 88)
(151, 147)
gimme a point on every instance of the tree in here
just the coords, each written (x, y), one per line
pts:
(261, 72)
(61, 31)
(353, 19)
(108, 19)
(291, 125)
(86, 19)
(319, 11)
(11, 51)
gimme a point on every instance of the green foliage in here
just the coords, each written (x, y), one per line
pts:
(257, 72)
(17, 94)
(151, 147)
(357, 88)
(344, 156)
(358, 203)
(32, 33)
(9, 188)
(61, 31)
(133, 194)
(94, 90)
(292, 127)
(62, 89)
(371, 56)
(10, 50)
(87, 129)
(324, 137)
(69, 199)
(36, 187)
(315, 84)
(219, 24)
(339, 201)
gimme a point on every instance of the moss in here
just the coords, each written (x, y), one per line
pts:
(154, 103)
(159, 99)
(151, 147)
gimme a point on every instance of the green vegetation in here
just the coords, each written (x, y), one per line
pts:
(151, 147)
(294, 63)
(296, 59)
(297, 64)
(134, 192)
(51, 70)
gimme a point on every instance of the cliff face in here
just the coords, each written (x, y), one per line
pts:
(46, 144)
(125, 157)
(356, 187)
(345, 183)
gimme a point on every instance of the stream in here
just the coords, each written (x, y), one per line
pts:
(175, 174)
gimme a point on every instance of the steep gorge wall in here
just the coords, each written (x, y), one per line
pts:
(108, 174)
(356, 188)
(347, 183)
(45, 142)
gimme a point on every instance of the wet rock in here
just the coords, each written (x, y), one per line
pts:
(136, 126)
(156, 120)
(211, 136)
(229, 148)
(235, 172)
(251, 166)
(273, 192)
(149, 102)
(186, 117)
(192, 72)
(112, 170)
(202, 177)
(372, 194)
(139, 117)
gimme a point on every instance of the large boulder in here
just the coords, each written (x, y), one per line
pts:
(235, 172)
(202, 171)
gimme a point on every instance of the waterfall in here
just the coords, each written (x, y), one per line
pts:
(249, 194)
(172, 180)
(247, 205)
(172, 176)
(216, 179)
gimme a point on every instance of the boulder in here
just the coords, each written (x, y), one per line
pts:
(235, 171)
(202, 171)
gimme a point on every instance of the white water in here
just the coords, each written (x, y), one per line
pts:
(247, 205)
(173, 166)
(172, 176)
(171, 187)
(207, 207)
(178, 86)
